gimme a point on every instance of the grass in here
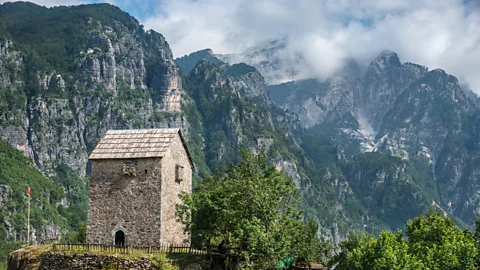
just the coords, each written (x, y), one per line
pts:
(31, 253)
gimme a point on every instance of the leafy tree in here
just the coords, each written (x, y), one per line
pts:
(440, 244)
(354, 240)
(389, 251)
(433, 242)
(249, 213)
(476, 237)
(78, 237)
(308, 248)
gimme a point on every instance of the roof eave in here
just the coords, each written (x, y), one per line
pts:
(184, 142)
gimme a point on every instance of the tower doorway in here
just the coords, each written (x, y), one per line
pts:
(119, 238)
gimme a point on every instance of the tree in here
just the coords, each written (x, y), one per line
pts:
(476, 237)
(433, 242)
(440, 244)
(354, 240)
(389, 251)
(248, 213)
(308, 248)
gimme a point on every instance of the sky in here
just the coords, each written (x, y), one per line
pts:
(435, 33)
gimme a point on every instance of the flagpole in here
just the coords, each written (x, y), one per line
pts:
(28, 217)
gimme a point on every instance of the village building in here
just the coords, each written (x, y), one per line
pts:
(136, 177)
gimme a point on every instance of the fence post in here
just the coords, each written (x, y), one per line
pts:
(149, 249)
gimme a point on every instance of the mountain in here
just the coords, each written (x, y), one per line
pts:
(274, 59)
(73, 72)
(367, 149)
(403, 110)
(188, 62)
(344, 187)
(225, 121)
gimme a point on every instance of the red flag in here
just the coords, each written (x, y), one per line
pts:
(28, 191)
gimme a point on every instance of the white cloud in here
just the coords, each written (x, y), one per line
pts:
(437, 33)
(322, 54)
(193, 25)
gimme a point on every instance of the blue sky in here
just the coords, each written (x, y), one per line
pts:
(436, 33)
(141, 9)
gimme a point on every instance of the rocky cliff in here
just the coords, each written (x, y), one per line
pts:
(113, 69)
(230, 112)
(276, 61)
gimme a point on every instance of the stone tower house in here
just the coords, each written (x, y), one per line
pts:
(135, 181)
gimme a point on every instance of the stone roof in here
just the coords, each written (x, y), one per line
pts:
(136, 143)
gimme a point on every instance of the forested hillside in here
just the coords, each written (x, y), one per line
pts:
(58, 205)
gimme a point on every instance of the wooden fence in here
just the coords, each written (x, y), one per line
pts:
(179, 249)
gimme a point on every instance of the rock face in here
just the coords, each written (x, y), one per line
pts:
(274, 59)
(249, 83)
(188, 62)
(116, 69)
(386, 78)
(247, 80)
(5, 194)
(233, 113)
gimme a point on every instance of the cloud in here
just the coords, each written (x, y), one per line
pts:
(436, 33)
(193, 25)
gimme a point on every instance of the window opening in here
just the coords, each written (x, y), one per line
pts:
(178, 173)
(129, 168)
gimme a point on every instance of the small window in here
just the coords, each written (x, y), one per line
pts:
(129, 168)
(146, 171)
(178, 173)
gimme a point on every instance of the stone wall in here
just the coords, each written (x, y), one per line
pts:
(128, 203)
(173, 230)
(59, 261)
